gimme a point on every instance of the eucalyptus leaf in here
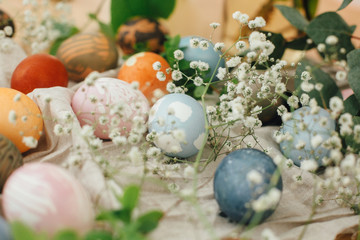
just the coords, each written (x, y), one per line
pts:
(352, 105)
(20, 232)
(149, 221)
(300, 44)
(123, 215)
(293, 16)
(353, 28)
(330, 23)
(123, 10)
(353, 59)
(329, 90)
(344, 4)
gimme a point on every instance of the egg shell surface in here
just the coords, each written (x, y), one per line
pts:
(47, 198)
(10, 159)
(209, 55)
(39, 71)
(139, 68)
(186, 115)
(109, 94)
(28, 122)
(84, 53)
(312, 121)
(233, 191)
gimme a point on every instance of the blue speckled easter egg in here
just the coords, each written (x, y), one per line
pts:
(5, 231)
(236, 194)
(314, 127)
(209, 55)
(176, 115)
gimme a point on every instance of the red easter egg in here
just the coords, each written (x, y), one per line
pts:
(139, 68)
(47, 198)
(39, 71)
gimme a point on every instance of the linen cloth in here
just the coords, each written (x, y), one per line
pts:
(181, 220)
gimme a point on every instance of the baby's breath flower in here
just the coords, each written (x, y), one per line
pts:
(336, 105)
(233, 62)
(176, 75)
(305, 76)
(178, 54)
(319, 86)
(254, 177)
(240, 45)
(204, 44)
(194, 42)
(8, 30)
(316, 141)
(219, 46)
(331, 40)
(309, 165)
(319, 199)
(267, 234)
(244, 19)
(198, 81)
(304, 99)
(161, 76)
(135, 155)
(214, 25)
(189, 172)
(293, 101)
(170, 87)
(203, 66)
(153, 152)
(236, 15)
(221, 73)
(156, 66)
(194, 64)
(267, 201)
(340, 75)
(321, 47)
(91, 78)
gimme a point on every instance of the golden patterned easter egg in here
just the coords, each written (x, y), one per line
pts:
(141, 34)
(87, 52)
(10, 159)
(20, 119)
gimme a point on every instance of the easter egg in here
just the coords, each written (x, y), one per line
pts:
(247, 186)
(5, 231)
(10, 159)
(112, 99)
(39, 71)
(209, 55)
(139, 68)
(84, 53)
(179, 122)
(20, 119)
(141, 33)
(47, 198)
(5, 20)
(319, 125)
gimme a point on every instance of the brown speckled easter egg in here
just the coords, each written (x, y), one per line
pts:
(5, 20)
(141, 33)
(87, 52)
(10, 159)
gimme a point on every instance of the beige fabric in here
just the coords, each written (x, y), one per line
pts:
(181, 220)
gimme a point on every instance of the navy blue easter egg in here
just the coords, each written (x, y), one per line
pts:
(209, 55)
(238, 197)
(320, 124)
(5, 231)
(179, 122)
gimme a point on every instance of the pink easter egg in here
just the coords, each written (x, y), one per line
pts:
(347, 93)
(47, 198)
(109, 104)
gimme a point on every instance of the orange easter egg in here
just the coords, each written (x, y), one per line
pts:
(87, 52)
(139, 68)
(20, 119)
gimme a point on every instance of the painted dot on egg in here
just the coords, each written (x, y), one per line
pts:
(10, 159)
(47, 198)
(139, 68)
(175, 116)
(84, 53)
(116, 100)
(16, 106)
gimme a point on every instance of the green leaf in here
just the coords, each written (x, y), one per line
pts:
(293, 16)
(329, 89)
(353, 59)
(130, 197)
(98, 235)
(149, 221)
(198, 92)
(20, 232)
(104, 28)
(300, 44)
(353, 28)
(344, 4)
(65, 35)
(352, 105)
(278, 40)
(66, 235)
(123, 215)
(123, 10)
(330, 23)
(311, 8)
